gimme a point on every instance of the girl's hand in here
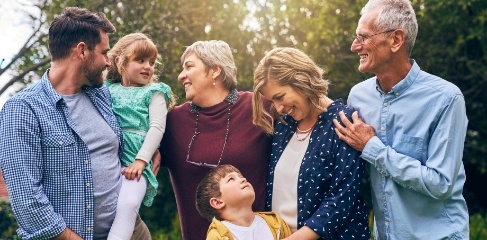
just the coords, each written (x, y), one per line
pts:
(134, 170)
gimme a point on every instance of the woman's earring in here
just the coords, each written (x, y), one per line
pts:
(214, 82)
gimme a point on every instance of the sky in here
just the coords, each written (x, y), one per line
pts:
(13, 34)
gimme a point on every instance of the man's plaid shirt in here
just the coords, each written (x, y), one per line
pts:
(46, 165)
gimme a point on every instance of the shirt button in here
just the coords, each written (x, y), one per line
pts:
(385, 104)
(88, 184)
(396, 94)
(60, 142)
(88, 229)
(88, 206)
(387, 223)
(86, 162)
(383, 128)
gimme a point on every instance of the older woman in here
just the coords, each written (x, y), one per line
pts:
(213, 128)
(314, 177)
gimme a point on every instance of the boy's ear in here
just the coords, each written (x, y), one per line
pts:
(217, 203)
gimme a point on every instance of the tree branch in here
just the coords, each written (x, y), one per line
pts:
(25, 72)
(24, 48)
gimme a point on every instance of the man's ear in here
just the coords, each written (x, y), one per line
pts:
(217, 203)
(398, 40)
(81, 50)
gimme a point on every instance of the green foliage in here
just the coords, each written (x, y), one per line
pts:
(8, 225)
(158, 216)
(174, 234)
(451, 43)
(478, 226)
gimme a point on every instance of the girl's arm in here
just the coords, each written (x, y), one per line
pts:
(157, 126)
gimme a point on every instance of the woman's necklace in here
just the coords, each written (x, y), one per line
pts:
(307, 132)
(196, 133)
(302, 139)
(231, 99)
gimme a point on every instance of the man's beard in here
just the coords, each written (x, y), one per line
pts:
(93, 74)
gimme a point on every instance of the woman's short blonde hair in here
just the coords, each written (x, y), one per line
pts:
(286, 66)
(215, 53)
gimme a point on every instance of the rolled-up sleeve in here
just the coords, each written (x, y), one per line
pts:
(21, 161)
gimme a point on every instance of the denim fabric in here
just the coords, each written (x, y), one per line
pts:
(415, 161)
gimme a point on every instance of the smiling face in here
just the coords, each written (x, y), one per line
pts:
(375, 52)
(236, 191)
(287, 100)
(138, 71)
(197, 80)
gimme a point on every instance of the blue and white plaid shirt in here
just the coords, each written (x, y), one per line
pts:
(45, 164)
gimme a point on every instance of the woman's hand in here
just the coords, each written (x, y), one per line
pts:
(304, 233)
(156, 162)
(134, 170)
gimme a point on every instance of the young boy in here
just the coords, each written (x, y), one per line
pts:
(225, 198)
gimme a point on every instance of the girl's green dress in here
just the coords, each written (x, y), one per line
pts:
(131, 107)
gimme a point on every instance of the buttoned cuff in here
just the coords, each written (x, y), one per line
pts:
(372, 150)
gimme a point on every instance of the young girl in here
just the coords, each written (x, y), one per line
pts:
(140, 106)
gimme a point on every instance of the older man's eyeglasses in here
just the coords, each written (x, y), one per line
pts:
(361, 38)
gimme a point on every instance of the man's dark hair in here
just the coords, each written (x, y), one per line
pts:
(76, 25)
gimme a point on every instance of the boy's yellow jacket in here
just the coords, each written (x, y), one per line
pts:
(279, 228)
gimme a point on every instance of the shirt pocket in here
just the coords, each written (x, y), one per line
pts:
(411, 146)
(59, 156)
(60, 153)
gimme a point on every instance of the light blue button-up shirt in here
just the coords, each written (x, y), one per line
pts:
(415, 161)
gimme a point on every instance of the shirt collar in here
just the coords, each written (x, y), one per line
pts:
(404, 84)
(231, 98)
(49, 89)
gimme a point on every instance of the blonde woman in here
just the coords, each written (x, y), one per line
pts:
(314, 177)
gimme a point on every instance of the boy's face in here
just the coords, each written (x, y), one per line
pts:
(235, 190)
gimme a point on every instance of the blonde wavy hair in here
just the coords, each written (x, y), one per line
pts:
(286, 66)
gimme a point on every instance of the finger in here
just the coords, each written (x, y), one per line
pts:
(139, 174)
(355, 118)
(339, 134)
(345, 120)
(339, 129)
(130, 175)
(337, 124)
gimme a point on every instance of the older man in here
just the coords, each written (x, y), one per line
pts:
(414, 143)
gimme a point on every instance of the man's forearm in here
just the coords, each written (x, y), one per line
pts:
(68, 234)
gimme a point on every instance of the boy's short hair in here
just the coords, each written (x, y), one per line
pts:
(208, 188)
